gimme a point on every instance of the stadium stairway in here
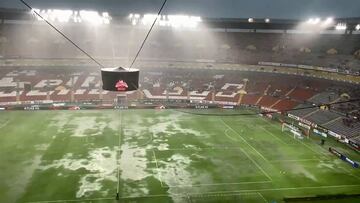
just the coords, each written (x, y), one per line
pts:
(331, 121)
(265, 93)
(257, 101)
(311, 113)
(289, 92)
(278, 101)
(301, 94)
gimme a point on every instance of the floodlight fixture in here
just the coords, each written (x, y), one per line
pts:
(357, 27)
(341, 26)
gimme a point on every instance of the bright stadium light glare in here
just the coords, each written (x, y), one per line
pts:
(167, 20)
(313, 21)
(92, 17)
(357, 27)
(163, 21)
(267, 20)
(34, 11)
(65, 16)
(106, 18)
(341, 26)
(148, 19)
(329, 20)
(250, 20)
(62, 16)
(133, 22)
(183, 21)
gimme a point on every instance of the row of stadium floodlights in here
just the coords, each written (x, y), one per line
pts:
(187, 21)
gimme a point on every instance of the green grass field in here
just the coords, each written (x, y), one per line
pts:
(163, 156)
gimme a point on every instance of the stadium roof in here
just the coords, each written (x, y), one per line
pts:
(227, 23)
(279, 9)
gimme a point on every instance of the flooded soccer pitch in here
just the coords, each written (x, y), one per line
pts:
(162, 156)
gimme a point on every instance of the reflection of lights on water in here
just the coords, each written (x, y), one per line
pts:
(64, 16)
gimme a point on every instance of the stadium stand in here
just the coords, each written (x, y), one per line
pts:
(338, 53)
(323, 116)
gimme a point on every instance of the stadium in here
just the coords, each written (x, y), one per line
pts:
(253, 110)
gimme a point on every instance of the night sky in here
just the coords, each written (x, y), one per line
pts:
(284, 9)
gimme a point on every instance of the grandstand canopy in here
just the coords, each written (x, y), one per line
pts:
(283, 9)
(17, 14)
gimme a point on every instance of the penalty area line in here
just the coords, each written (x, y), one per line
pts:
(273, 135)
(244, 140)
(227, 135)
(208, 193)
(72, 200)
(307, 146)
(293, 160)
(257, 165)
(262, 197)
(158, 169)
(280, 189)
(5, 123)
(214, 184)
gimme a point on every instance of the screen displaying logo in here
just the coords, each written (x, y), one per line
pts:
(121, 85)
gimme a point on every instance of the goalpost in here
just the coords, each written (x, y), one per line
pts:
(292, 129)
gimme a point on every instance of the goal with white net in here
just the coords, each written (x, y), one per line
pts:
(295, 131)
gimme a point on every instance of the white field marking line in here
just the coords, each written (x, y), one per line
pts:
(197, 149)
(322, 151)
(214, 192)
(262, 197)
(119, 154)
(158, 169)
(257, 165)
(294, 160)
(271, 125)
(276, 137)
(280, 189)
(188, 194)
(247, 118)
(244, 140)
(349, 172)
(225, 195)
(205, 184)
(210, 184)
(73, 200)
(231, 138)
(313, 150)
(5, 123)
(316, 152)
